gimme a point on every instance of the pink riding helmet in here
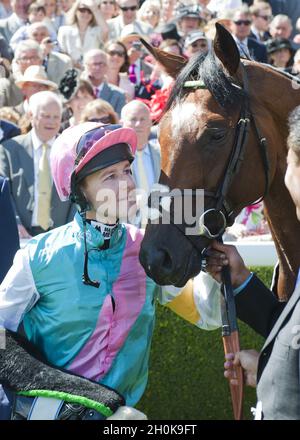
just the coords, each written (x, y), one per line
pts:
(78, 145)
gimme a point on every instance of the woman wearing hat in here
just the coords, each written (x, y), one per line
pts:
(80, 292)
(86, 30)
(280, 53)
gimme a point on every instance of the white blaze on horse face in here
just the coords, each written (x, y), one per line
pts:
(184, 119)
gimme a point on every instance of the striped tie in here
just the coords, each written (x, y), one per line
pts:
(44, 190)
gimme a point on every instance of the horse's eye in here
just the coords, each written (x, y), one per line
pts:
(217, 135)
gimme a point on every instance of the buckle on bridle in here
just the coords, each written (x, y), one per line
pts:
(205, 231)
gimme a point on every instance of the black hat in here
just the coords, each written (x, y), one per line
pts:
(275, 44)
(168, 31)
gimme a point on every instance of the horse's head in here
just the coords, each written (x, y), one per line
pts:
(206, 144)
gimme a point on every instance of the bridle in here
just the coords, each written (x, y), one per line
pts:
(222, 214)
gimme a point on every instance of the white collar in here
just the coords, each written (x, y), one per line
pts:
(37, 143)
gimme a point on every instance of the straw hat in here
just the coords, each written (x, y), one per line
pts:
(36, 74)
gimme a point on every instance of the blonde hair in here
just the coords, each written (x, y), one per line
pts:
(154, 5)
(99, 106)
(10, 115)
(72, 18)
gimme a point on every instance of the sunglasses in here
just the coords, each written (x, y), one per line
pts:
(266, 17)
(244, 22)
(128, 8)
(84, 10)
(197, 44)
(118, 53)
(103, 120)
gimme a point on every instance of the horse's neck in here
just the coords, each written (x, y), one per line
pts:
(280, 208)
(285, 228)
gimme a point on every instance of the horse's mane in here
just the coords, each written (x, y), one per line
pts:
(208, 69)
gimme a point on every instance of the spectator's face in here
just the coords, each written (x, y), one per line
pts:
(108, 7)
(189, 24)
(47, 120)
(30, 88)
(292, 179)
(138, 118)
(96, 67)
(262, 20)
(241, 25)
(128, 10)
(28, 57)
(151, 15)
(35, 17)
(134, 50)
(20, 7)
(66, 5)
(50, 6)
(39, 33)
(84, 14)
(199, 46)
(116, 56)
(80, 100)
(281, 57)
(281, 29)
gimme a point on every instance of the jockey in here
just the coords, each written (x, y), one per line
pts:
(79, 293)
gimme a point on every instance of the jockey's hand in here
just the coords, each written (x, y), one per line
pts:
(248, 360)
(220, 255)
(127, 413)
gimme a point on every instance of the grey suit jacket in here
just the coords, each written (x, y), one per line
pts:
(114, 95)
(56, 66)
(278, 375)
(10, 94)
(8, 26)
(16, 163)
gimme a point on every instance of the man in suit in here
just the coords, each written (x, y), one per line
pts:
(136, 115)
(24, 160)
(95, 69)
(291, 8)
(261, 15)
(8, 26)
(55, 63)
(240, 29)
(276, 370)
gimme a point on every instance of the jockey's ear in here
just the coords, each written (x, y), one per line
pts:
(171, 63)
(226, 49)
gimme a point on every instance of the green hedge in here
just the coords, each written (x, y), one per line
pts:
(186, 370)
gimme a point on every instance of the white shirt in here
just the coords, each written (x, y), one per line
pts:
(37, 153)
(242, 46)
(220, 5)
(148, 165)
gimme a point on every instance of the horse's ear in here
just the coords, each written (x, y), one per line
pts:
(226, 49)
(171, 63)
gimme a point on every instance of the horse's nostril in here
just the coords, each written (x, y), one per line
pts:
(167, 262)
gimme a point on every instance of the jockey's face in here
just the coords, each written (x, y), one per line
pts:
(110, 192)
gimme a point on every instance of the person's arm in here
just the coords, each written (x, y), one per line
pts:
(256, 305)
(18, 293)
(198, 302)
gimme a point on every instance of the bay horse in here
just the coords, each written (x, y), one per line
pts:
(199, 135)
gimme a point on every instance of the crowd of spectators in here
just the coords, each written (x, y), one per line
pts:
(63, 62)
